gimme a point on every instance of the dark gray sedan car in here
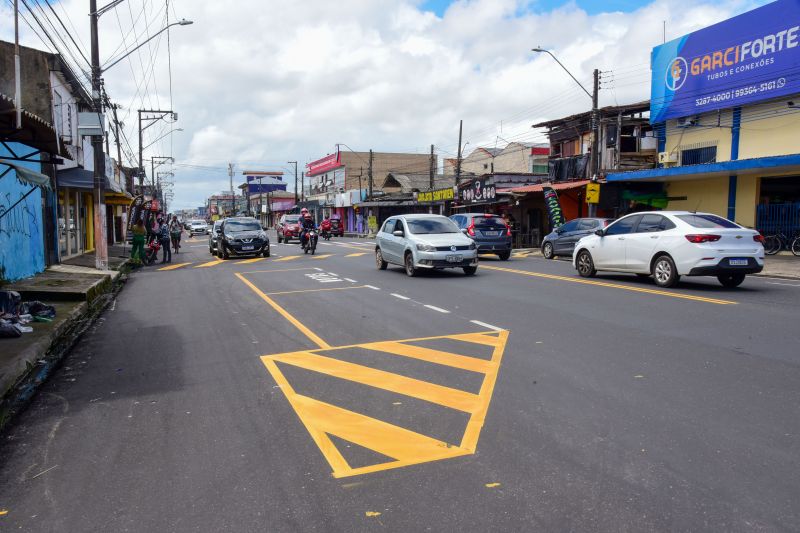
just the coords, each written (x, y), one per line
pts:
(561, 241)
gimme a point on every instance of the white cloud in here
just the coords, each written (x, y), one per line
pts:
(262, 82)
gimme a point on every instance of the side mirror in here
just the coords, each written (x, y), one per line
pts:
(464, 231)
(398, 233)
(264, 227)
(600, 233)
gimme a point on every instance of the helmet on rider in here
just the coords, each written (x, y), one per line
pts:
(305, 213)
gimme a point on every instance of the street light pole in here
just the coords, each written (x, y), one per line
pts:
(295, 180)
(100, 242)
(594, 157)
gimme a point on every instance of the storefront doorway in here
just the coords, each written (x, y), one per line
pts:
(70, 223)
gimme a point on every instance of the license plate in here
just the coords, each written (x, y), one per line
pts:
(248, 248)
(491, 233)
(453, 258)
(738, 262)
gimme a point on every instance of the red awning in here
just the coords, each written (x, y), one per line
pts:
(556, 186)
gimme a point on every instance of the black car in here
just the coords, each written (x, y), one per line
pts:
(490, 233)
(241, 236)
(561, 241)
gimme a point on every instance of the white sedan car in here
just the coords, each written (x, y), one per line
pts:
(671, 244)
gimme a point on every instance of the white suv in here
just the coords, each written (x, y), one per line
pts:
(671, 244)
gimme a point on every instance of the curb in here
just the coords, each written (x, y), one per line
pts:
(38, 361)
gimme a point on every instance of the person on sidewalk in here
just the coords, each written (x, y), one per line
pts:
(137, 251)
(163, 237)
(175, 231)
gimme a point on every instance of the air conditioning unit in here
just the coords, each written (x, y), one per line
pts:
(667, 158)
(685, 122)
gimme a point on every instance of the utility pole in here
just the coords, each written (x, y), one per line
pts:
(296, 197)
(100, 243)
(369, 173)
(233, 195)
(303, 186)
(594, 161)
(17, 80)
(458, 160)
(432, 169)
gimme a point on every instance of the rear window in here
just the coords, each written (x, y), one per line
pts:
(489, 221)
(431, 226)
(292, 220)
(707, 221)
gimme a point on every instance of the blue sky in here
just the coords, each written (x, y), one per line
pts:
(591, 6)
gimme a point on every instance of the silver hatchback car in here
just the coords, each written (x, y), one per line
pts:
(424, 242)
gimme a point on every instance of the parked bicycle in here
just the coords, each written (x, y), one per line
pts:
(780, 241)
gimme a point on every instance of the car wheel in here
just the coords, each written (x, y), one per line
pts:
(225, 254)
(411, 271)
(379, 262)
(470, 271)
(504, 256)
(585, 265)
(547, 250)
(265, 253)
(664, 272)
(211, 250)
(731, 280)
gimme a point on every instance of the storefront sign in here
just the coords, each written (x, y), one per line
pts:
(478, 192)
(746, 59)
(554, 211)
(436, 195)
(325, 164)
(592, 193)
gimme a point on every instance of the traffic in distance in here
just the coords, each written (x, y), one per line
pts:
(662, 245)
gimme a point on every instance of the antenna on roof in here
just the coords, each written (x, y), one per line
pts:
(700, 201)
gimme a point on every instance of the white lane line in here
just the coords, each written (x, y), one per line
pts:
(318, 269)
(372, 287)
(439, 309)
(400, 296)
(350, 280)
(332, 274)
(485, 325)
(784, 284)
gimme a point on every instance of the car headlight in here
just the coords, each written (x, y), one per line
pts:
(229, 237)
(422, 247)
(262, 235)
(472, 246)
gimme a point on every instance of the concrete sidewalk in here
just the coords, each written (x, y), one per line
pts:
(79, 294)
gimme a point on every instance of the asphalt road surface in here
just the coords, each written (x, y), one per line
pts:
(300, 393)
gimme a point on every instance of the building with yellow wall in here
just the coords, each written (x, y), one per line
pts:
(729, 131)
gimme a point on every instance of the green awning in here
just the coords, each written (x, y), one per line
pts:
(28, 176)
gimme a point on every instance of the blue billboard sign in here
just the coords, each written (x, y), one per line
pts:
(748, 58)
(265, 184)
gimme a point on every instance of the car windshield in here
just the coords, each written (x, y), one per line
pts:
(707, 221)
(242, 225)
(489, 221)
(428, 226)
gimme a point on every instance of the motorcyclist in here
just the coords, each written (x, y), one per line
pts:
(306, 225)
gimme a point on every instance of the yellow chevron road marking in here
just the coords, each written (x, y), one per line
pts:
(248, 261)
(356, 254)
(324, 256)
(289, 258)
(175, 266)
(210, 264)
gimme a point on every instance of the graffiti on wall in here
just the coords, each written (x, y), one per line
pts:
(21, 230)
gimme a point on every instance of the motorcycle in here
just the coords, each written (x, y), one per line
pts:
(325, 230)
(310, 242)
(151, 253)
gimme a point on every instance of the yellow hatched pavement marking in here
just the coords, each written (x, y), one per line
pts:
(405, 447)
(422, 390)
(249, 261)
(614, 286)
(357, 254)
(289, 258)
(210, 264)
(324, 256)
(175, 266)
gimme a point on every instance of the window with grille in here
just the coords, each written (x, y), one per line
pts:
(698, 156)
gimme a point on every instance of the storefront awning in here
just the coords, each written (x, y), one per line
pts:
(555, 186)
(80, 178)
(26, 175)
(781, 164)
